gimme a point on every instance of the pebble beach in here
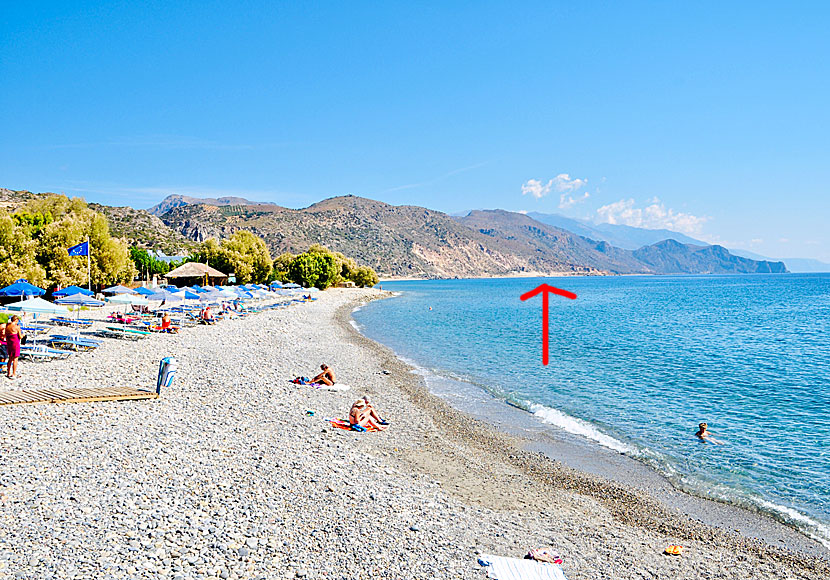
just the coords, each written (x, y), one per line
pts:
(234, 472)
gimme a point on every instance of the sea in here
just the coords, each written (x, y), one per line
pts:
(636, 363)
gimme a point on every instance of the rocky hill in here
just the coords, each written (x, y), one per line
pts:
(415, 241)
(409, 240)
(394, 240)
(10, 198)
(142, 229)
(174, 201)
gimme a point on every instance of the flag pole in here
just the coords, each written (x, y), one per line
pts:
(88, 267)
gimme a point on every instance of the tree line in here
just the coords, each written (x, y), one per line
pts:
(35, 238)
(247, 256)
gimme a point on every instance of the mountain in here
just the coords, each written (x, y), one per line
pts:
(797, 265)
(410, 241)
(664, 257)
(626, 237)
(10, 198)
(418, 242)
(143, 229)
(670, 256)
(173, 201)
(394, 240)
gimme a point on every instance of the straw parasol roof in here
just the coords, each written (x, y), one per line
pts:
(195, 270)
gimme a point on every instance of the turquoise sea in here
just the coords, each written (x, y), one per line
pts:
(637, 362)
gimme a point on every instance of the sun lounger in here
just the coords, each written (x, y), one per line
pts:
(123, 332)
(79, 323)
(41, 352)
(72, 342)
(503, 568)
(34, 329)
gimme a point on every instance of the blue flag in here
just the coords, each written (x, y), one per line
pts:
(79, 250)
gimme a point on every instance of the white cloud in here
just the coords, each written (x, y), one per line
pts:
(536, 188)
(653, 216)
(566, 201)
(562, 184)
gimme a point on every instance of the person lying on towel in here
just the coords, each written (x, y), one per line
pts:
(326, 377)
(363, 415)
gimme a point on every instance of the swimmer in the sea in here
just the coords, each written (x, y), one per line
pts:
(705, 435)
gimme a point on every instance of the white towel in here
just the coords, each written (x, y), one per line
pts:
(502, 568)
(334, 387)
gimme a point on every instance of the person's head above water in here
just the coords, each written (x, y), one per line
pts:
(703, 426)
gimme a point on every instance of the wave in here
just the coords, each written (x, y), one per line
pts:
(816, 530)
(578, 427)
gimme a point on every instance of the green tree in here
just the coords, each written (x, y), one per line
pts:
(146, 264)
(244, 254)
(313, 269)
(18, 254)
(249, 256)
(281, 265)
(364, 276)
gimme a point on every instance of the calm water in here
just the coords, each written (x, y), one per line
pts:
(637, 362)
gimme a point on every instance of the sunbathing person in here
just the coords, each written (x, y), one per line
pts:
(363, 415)
(326, 377)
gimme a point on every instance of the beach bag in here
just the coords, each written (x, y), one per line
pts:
(23, 339)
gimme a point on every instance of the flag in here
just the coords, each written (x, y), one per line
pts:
(81, 249)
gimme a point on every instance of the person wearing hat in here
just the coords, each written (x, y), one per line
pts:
(363, 415)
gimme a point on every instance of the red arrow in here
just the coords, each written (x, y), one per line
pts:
(545, 290)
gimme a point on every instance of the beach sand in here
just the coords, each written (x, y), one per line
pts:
(228, 476)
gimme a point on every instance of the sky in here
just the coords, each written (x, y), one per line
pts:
(711, 119)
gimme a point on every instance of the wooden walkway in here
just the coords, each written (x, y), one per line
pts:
(74, 395)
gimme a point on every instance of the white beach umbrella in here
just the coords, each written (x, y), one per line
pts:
(38, 306)
(135, 299)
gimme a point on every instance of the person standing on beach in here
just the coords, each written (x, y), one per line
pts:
(2, 342)
(13, 337)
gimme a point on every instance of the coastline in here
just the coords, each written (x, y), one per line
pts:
(687, 513)
(227, 475)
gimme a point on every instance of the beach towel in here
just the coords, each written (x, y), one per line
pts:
(503, 568)
(346, 426)
(334, 387)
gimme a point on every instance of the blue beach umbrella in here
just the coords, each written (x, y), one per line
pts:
(144, 291)
(70, 290)
(22, 288)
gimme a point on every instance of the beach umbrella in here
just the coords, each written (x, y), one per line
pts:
(276, 284)
(22, 287)
(135, 299)
(291, 285)
(78, 299)
(144, 291)
(70, 290)
(38, 306)
(166, 296)
(189, 294)
(118, 290)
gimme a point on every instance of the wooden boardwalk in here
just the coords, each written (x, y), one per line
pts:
(74, 395)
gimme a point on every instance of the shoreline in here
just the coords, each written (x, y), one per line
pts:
(588, 458)
(234, 473)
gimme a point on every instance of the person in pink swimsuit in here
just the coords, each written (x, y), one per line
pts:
(12, 346)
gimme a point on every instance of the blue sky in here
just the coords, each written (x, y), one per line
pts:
(709, 118)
